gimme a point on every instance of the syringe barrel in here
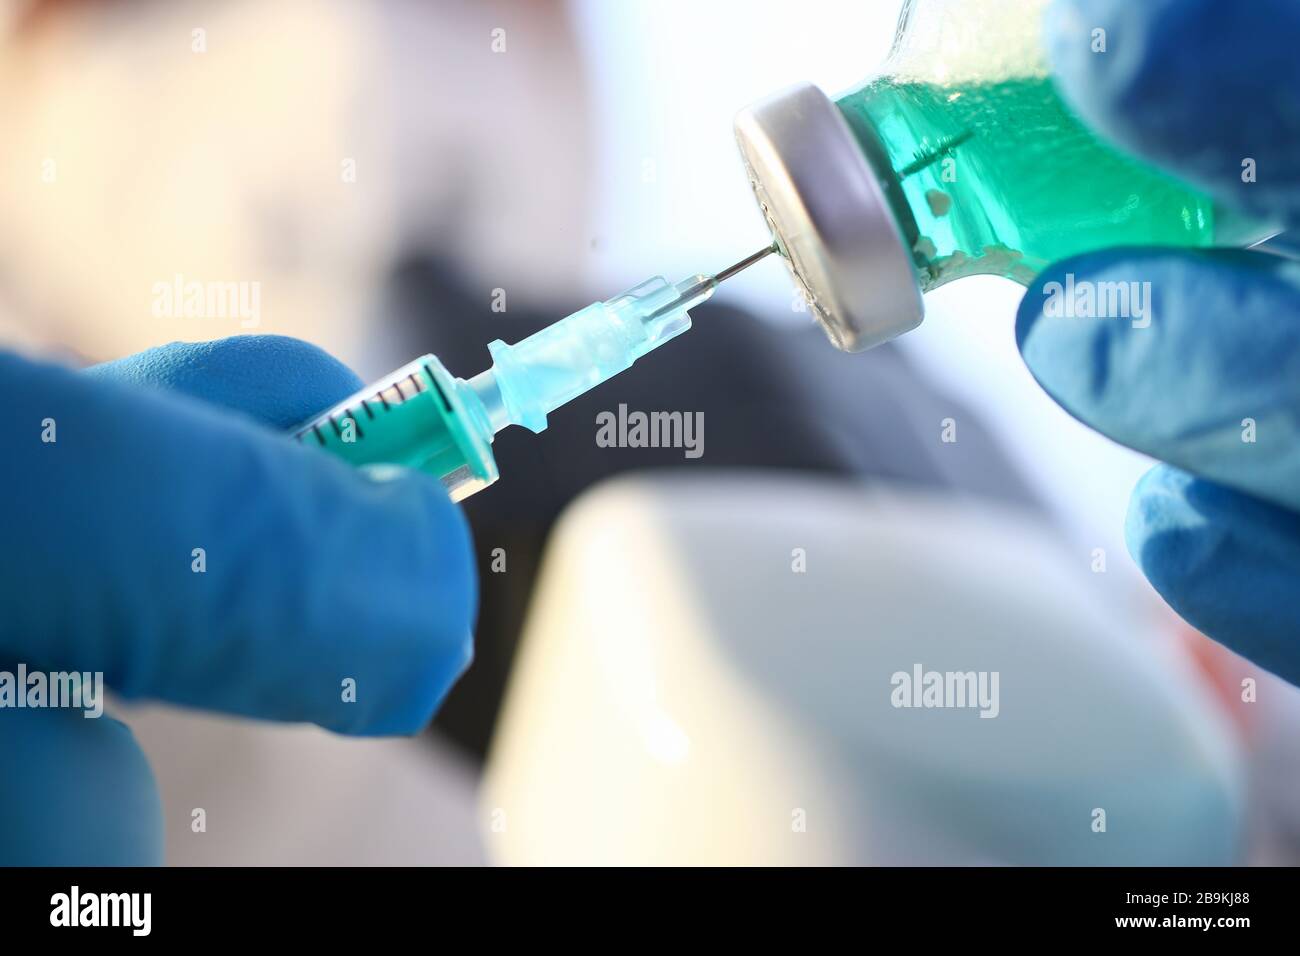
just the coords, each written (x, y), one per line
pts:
(417, 417)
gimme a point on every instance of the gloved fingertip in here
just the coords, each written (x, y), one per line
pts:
(1225, 561)
(434, 666)
(1065, 348)
(434, 669)
(419, 610)
(277, 380)
(1156, 526)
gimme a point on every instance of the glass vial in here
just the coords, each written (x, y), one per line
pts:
(958, 158)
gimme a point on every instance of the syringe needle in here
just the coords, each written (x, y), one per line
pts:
(743, 264)
(696, 289)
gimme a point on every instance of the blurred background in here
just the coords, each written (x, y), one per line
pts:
(384, 171)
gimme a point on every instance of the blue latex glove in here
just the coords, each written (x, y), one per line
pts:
(315, 573)
(1196, 86)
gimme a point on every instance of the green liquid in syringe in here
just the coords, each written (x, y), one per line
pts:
(1002, 178)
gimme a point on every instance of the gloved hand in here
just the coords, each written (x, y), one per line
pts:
(312, 573)
(1197, 87)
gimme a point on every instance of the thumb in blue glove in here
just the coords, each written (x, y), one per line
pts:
(321, 595)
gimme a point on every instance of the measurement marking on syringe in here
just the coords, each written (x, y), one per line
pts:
(416, 382)
(338, 431)
(442, 395)
(387, 407)
(369, 413)
(319, 437)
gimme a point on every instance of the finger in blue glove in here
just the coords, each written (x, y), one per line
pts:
(1208, 380)
(197, 558)
(1205, 88)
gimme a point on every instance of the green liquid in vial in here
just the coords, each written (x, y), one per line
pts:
(1002, 178)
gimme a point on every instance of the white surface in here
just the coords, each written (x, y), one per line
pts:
(282, 795)
(681, 693)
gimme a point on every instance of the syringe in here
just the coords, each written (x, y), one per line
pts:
(420, 416)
